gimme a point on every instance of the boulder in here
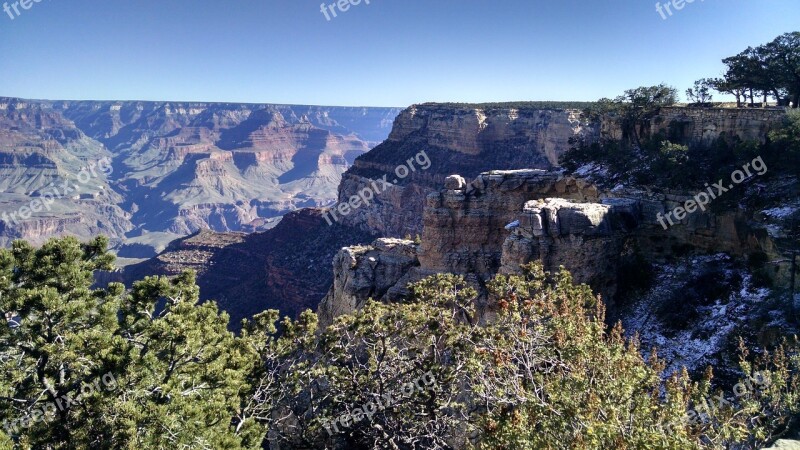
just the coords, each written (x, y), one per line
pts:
(455, 183)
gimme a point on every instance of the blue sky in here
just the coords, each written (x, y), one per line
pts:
(387, 53)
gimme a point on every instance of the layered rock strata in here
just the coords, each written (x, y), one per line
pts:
(504, 219)
(470, 140)
(585, 238)
(465, 140)
(701, 125)
(177, 167)
(464, 228)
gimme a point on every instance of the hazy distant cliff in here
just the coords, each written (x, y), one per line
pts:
(175, 168)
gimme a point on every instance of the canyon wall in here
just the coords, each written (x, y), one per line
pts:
(504, 219)
(470, 140)
(704, 125)
(489, 223)
(463, 140)
(175, 167)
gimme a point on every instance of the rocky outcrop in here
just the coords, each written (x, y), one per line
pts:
(504, 219)
(380, 272)
(737, 230)
(586, 238)
(465, 228)
(705, 125)
(467, 140)
(466, 233)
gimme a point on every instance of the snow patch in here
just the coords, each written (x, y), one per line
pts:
(780, 213)
(710, 324)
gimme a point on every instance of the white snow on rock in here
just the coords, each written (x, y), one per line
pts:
(585, 169)
(780, 213)
(709, 326)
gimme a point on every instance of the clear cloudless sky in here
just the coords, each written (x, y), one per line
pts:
(387, 53)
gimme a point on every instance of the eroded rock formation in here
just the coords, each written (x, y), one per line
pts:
(585, 238)
(504, 219)
(465, 229)
(463, 140)
(380, 271)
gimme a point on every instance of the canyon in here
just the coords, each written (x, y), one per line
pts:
(495, 198)
(178, 167)
(239, 194)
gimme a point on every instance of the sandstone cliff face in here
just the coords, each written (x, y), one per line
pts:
(463, 140)
(704, 125)
(467, 232)
(588, 239)
(464, 229)
(380, 271)
(476, 131)
(504, 219)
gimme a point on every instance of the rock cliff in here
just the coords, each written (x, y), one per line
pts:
(471, 139)
(705, 125)
(381, 271)
(464, 229)
(607, 239)
(466, 140)
(588, 239)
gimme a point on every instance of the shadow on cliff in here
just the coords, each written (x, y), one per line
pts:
(287, 268)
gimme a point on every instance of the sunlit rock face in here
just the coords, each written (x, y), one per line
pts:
(494, 199)
(464, 140)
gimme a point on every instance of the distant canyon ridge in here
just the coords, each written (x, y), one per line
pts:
(171, 168)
